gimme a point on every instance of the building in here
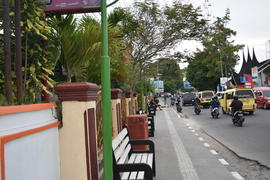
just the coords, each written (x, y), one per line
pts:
(252, 73)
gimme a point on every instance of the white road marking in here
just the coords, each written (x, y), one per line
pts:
(237, 176)
(224, 162)
(196, 134)
(201, 139)
(187, 124)
(206, 144)
(192, 130)
(184, 162)
(213, 152)
(189, 127)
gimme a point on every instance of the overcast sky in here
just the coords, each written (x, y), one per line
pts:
(249, 18)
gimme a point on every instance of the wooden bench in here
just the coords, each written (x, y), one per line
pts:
(129, 164)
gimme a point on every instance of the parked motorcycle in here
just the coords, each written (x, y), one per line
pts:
(238, 118)
(197, 110)
(178, 107)
(215, 112)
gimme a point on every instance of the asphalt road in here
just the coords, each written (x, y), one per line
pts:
(250, 141)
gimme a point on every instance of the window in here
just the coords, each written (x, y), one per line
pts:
(266, 93)
(244, 94)
(207, 94)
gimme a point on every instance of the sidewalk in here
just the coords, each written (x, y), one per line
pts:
(181, 154)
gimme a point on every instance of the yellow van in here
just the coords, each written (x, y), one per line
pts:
(246, 95)
(205, 97)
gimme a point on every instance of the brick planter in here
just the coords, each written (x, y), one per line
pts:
(138, 128)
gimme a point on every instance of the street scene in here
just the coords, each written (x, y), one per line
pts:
(134, 90)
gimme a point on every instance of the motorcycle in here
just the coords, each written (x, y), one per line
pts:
(178, 107)
(197, 109)
(238, 118)
(215, 112)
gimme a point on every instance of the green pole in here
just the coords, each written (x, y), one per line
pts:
(106, 95)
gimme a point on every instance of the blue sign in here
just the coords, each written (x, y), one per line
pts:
(243, 79)
(187, 85)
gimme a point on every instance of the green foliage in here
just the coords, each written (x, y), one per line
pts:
(149, 30)
(39, 52)
(80, 43)
(171, 74)
(220, 52)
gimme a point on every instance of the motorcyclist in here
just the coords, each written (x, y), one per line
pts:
(178, 101)
(172, 100)
(236, 105)
(214, 103)
(197, 101)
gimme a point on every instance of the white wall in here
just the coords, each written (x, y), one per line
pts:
(34, 156)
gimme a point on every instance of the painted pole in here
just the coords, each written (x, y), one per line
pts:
(106, 95)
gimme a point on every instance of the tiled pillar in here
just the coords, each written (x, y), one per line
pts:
(78, 136)
(116, 111)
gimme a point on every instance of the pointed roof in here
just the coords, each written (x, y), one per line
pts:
(248, 65)
(254, 59)
(242, 70)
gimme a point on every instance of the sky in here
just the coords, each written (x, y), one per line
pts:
(250, 19)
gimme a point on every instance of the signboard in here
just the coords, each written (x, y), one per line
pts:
(223, 81)
(159, 85)
(243, 79)
(187, 85)
(72, 6)
(254, 72)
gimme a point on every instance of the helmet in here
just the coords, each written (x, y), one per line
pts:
(235, 97)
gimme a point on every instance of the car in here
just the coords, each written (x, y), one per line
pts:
(262, 97)
(205, 97)
(188, 98)
(246, 95)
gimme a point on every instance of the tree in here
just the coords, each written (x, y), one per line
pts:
(218, 57)
(171, 74)
(39, 51)
(149, 30)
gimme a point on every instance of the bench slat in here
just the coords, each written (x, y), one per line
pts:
(140, 175)
(125, 176)
(123, 158)
(133, 175)
(119, 151)
(130, 161)
(150, 159)
(117, 140)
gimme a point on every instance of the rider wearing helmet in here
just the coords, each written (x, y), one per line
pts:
(236, 105)
(197, 101)
(214, 103)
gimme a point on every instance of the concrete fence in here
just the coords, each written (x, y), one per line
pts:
(34, 144)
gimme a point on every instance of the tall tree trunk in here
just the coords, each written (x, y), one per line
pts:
(7, 51)
(18, 60)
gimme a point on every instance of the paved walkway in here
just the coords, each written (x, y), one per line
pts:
(181, 154)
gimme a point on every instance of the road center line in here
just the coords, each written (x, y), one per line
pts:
(223, 161)
(184, 162)
(237, 176)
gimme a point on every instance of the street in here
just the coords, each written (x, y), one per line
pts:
(250, 142)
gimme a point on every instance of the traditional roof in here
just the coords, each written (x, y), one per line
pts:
(248, 65)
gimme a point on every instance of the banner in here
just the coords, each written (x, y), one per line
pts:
(71, 6)
(223, 81)
(254, 72)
